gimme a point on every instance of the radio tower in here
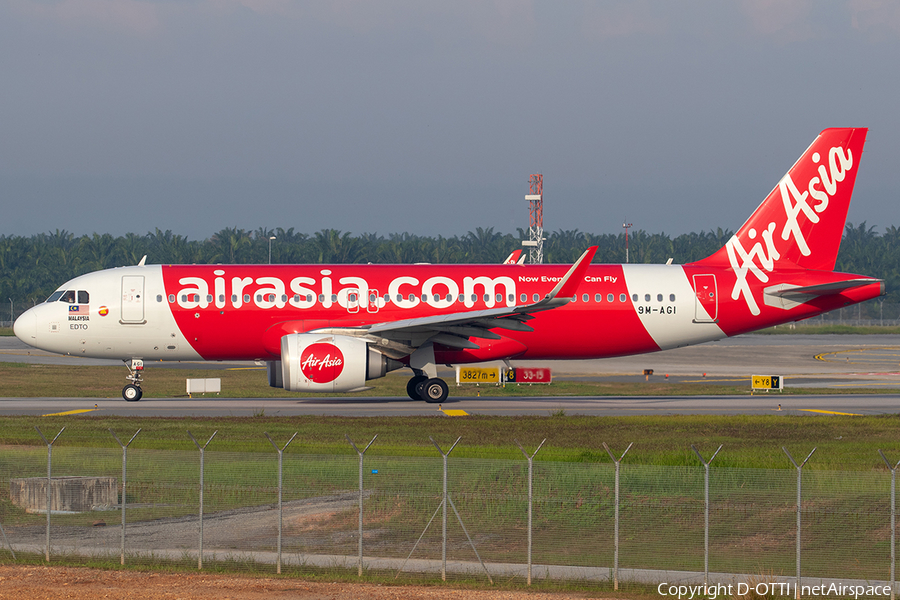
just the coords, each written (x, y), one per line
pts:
(535, 199)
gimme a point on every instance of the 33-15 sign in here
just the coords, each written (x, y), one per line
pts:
(528, 375)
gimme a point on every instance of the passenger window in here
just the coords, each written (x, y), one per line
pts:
(334, 297)
(372, 298)
(535, 298)
(246, 298)
(598, 297)
(634, 297)
(399, 298)
(83, 297)
(622, 298)
(321, 297)
(523, 298)
(171, 298)
(208, 298)
(462, 298)
(222, 298)
(585, 298)
(486, 297)
(659, 297)
(412, 297)
(499, 297)
(671, 297)
(511, 298)
(159, 297)
(610, 297)
(646, 297)
(449, 298)
(259, 297)
(234, 298)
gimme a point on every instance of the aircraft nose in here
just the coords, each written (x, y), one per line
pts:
(25, 326)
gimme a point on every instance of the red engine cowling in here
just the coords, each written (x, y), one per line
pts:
(329, 363)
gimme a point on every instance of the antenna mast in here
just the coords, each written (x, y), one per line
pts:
(535, 199)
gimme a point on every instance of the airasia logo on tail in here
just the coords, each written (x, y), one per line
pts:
(764, 253)
(321, 362)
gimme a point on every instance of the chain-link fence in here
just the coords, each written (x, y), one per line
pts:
(448, 515)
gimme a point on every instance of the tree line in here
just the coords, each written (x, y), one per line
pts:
(31, 268)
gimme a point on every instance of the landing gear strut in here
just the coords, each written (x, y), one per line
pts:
(133, 392)
(425, 384)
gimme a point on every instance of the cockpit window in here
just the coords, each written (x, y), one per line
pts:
(68, 296)
(83, 297)
(55, 295)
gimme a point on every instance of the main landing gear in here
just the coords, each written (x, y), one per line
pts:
(425, 384)
(133, 392)
(429, 389)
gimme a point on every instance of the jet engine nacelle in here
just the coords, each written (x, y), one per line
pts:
(329, 363)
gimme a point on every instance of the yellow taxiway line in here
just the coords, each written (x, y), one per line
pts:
(70, 412)
(830, 412)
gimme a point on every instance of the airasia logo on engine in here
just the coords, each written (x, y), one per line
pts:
(321, 362)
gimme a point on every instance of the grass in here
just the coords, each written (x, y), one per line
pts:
(750, 441)
(6, 331)
(22, 380)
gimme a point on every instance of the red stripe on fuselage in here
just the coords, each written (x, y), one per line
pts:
(234, 328)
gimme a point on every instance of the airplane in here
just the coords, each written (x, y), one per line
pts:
(332, 328)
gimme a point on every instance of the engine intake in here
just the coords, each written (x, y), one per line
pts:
(313, 362)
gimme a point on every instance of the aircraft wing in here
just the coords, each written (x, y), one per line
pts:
(455, 329)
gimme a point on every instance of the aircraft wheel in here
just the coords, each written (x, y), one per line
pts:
(132, 393)
(412, 385)
(434, 390)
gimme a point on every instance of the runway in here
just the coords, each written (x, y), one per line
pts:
(833, 362)
(875, 404)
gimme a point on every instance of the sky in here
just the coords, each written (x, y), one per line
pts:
(124, 116)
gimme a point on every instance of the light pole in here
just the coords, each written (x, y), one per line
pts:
(626, 225)
(271, 237)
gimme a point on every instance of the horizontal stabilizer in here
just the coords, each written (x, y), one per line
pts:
(787, 296)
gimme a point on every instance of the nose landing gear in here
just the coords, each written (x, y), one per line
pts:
(133, 392)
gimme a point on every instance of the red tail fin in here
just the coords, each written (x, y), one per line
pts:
(802, 219)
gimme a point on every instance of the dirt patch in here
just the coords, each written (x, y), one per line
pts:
(52, 583)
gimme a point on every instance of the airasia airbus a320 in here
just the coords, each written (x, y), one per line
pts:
(331, 328)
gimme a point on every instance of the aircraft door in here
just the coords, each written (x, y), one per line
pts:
(372, 305)
(353, 301)
(133, 299)
(706, 304)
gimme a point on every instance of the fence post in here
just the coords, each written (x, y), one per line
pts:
(201, 449)
(799, 480)
(530, 458)
(49, 456)
(616, 546)
(706, 511)
(124, 473)
(280, 452)
(444, 514)
(893, 516)
(361, 454)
